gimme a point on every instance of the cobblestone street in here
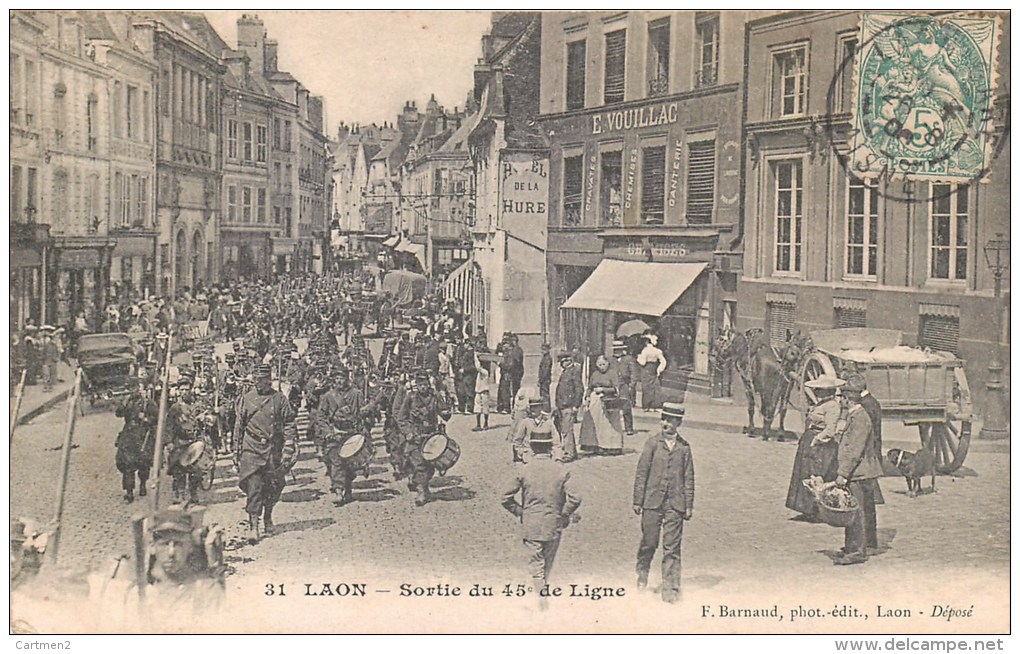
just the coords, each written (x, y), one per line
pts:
(741, 550)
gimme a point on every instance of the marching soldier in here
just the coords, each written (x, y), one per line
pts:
(136, 443)
(340, 414)
(358, 359)
(418, 420)
(184, 430)
(267, 449)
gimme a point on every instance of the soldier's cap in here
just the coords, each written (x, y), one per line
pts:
(172, 520)
(421, 375)
(263, 370)
(564, 356)
(825, 382)
(229, 356)
(185, 381)
(237, 346)
(672, 410)
(855, 383)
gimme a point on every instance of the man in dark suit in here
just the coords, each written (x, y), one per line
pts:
(858, 469)
(545, 508)
(569, 394)
(874, 411)
(664, 498)
(545, 373)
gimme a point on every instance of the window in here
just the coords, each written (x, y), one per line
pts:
(700, 182)
(658, 57)
(573, 185)
(616, 69)
(232, 139)
(60, 111)
(142, 202)
(276, 215)
(845, 317)
(576, 53)
(611, 189)
(845, 88)
(949, 210)
(707, 73)
(653, 185)
(17, 90)
(31, 93)
(232, 204)
(862, 228)
(118, 200)
(262, 136)
(246, 204)
(146, 118)
(126, 270)
(276, 133)
(248, 143)
(287, 218)
(16, 194)
(789, 215)
(940, 333)
(130, 120)
(261, 206)
(30, 195)
(789, 73)
(60, 191)
(90, 121)
(278, 175)
(779, 320)
(286, 136)
(164, 95)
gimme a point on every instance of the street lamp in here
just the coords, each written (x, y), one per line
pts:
(995, 426)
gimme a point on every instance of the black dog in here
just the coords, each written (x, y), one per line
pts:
(913, 466)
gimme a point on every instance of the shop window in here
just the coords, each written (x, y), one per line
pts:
(949, 213)
(576, 53)
(700, 182)
(707, 73)
(844, 317)
(573, 184)
(788, 215)
(940, 333)
(862, 228)
(658, 57)
(789, 80)
(611, 189)
(653, 184)
(616, 66)
(779, 320)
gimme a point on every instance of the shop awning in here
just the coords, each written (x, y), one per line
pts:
(644, 288)
(416, 249)
(391, 241)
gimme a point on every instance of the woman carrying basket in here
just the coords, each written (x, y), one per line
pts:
(816, 453)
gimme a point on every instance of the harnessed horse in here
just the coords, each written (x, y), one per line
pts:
(767, 372)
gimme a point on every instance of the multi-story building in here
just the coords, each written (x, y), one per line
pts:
(502, 286)
(354, 148)
(131, 149)
(31, 270)
(825, 249)
(188, 149)
(644, 113)
(387, 213)
(75, 120)
(312, 177)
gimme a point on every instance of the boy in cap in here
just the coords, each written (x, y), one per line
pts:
(664, 498)
(545, 508)
(569, 394)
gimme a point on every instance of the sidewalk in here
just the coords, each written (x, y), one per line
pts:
(37, 400)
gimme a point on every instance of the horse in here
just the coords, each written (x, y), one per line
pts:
(768, 373)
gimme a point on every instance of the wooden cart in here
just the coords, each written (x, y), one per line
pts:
(920, 387)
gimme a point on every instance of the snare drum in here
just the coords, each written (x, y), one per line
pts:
(356, 452)
(441, 452)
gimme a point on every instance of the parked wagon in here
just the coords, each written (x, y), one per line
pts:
(920, 387)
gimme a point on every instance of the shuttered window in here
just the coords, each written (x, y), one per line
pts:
(849, 318)
(700, 182)
(658, 57)
(653, 184)
(616, 59)
(941, 333)
(573, 185)
(779, 319)
(576, 53)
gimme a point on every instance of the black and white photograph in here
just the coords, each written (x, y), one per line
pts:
(488, 321)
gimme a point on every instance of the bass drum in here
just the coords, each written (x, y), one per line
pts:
(357, 452)
(441, 452)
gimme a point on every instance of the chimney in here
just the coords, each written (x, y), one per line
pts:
(251, 39)
(272, 56)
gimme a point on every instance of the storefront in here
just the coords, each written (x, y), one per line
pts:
(29, 252)
(131, 268)
(83, 277)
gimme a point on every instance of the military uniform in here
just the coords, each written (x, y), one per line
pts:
(266, 432)
(184, 423)
(340, 413)
(136, 443)
(418, 420)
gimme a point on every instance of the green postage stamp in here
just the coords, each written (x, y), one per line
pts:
(924, 96)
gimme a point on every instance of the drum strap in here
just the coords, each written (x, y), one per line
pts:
(247, 420)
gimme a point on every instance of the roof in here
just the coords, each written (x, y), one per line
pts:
(96, 26)
(192, 26)
(458, 142)
(642, 287)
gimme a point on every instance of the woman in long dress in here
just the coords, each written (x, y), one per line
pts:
(816, 452)
(601, 427)
(652, 362)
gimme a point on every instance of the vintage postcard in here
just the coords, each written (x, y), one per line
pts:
(511, 322)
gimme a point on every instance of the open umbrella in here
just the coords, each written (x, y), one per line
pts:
(631, 327)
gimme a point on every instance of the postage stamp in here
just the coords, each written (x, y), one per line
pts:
(924, 95)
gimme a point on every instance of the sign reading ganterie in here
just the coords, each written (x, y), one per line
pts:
(614, 121)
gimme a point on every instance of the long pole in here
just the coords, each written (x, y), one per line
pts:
(996, 407)
(65, 463)
(157, 462)
(19, 393)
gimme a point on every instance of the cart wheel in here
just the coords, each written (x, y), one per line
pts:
(949, 441)
(816, 365)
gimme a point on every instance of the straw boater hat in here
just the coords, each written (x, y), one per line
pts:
(672, 410)
(825, 383)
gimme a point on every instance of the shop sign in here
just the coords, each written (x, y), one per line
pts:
(589, 193)
(74, 259)
(674, 177)
(525, 186)
(624, 119)
(661, 250)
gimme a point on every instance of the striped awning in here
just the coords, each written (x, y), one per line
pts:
(781, 298)
(850, 303)
(644, 288)
(943, 310)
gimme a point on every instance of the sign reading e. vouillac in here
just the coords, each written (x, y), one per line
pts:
(612, 121)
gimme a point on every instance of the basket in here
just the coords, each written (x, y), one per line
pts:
(841, 518)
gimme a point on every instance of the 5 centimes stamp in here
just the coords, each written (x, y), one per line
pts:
(924, 90)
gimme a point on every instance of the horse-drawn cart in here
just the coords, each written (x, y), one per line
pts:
(919, 387)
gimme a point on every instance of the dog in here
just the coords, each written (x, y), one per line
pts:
(913, 466)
